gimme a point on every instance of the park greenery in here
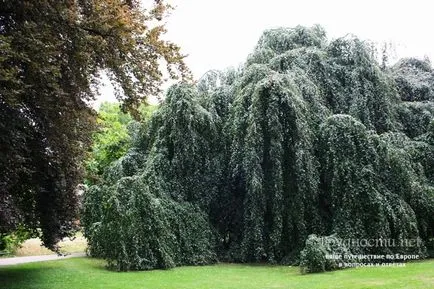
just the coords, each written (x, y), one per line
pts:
(84, 273)
(112, 138)
(309, 147)
(310, 140)
(52, 54)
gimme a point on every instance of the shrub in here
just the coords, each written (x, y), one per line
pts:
(9, 243)
(322, 254)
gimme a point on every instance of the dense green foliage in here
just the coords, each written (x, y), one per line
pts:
(308, 137)
(51, 55)
(145, 231)
(110, 141)
(113, 137)
(45, 275)
(314, 255)
(9, 243)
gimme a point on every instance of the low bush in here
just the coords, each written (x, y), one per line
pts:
(9, 243)
(322, 254)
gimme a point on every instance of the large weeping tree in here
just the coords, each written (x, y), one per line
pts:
(274, 165)
(151, 210)
(308, 138)
(51, 55)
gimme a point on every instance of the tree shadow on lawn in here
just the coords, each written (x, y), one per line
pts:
(19, 277)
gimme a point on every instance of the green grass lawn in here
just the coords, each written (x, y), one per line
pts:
(88, 273)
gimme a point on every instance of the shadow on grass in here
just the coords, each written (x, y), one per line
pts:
(19, 277)
(97, 264)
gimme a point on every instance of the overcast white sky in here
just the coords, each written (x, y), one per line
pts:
(220, 33)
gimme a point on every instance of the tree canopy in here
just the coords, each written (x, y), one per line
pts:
(112, 138)
(51, 56)
(310, 137)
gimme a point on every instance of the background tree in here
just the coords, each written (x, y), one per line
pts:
(415, 83)
(52, 53)
(113, 137)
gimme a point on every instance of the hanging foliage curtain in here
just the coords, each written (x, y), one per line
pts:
(308, 137)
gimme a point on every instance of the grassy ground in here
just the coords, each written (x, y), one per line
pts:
(32, 247)
(90, 273)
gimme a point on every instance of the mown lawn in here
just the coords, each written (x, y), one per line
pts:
(88, 273)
